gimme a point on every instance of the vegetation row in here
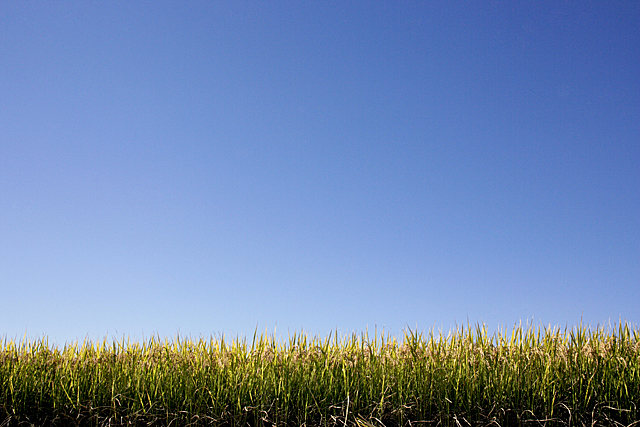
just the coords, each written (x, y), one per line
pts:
(525, 376)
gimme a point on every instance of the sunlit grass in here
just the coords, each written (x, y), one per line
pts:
(523, 376)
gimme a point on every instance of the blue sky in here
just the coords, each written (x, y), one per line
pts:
(215, 167)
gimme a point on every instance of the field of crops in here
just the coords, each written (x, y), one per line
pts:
(524, 376)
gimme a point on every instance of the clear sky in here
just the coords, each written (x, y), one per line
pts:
(210, 167)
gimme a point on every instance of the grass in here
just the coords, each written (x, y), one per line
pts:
(526, 376)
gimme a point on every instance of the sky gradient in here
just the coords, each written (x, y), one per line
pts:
(208, 168)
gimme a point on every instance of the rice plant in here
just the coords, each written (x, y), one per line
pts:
(523, 376)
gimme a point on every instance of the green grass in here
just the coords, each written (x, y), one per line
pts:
(526, 376)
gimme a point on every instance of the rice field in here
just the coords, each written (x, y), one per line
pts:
(524, 376)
